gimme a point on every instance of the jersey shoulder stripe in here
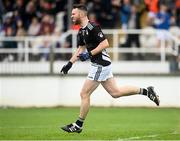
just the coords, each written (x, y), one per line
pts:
(90, 26)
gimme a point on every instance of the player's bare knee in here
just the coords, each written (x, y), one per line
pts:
(114, 94)
(84, 95)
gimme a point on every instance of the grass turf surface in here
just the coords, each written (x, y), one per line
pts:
(101, 124)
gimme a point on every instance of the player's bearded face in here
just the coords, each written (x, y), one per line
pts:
(75, 16)
(76, 21)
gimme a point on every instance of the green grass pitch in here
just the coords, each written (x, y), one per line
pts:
(101, 124)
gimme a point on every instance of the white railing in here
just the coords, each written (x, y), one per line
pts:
(32, 45)
(162, 50)
(114, 49)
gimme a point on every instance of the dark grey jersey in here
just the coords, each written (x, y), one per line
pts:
(91, 36)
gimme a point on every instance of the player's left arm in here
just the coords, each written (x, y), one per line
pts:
(102, 45)
(100, 38)
(86, 55)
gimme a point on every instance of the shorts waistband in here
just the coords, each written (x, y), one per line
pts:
(97, 65)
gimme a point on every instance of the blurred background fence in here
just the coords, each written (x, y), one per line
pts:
(36, 36)
(31, 61)
(41, 54)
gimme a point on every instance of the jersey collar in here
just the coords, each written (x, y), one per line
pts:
(85, 25)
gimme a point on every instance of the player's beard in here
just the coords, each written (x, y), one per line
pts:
(77, 21)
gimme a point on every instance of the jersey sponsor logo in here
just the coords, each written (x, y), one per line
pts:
(85, 32)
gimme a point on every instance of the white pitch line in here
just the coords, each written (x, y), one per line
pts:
(139, 137)
(147, 136)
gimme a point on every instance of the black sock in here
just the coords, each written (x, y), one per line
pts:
(143, 91)
(79, 122)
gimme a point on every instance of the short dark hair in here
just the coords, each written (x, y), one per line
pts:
(80, 7)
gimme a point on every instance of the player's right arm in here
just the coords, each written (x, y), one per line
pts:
(73, 59)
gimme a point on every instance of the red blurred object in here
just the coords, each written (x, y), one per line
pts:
(152, 5)
(75, 27)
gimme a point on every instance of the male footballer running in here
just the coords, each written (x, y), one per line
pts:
(92, 45)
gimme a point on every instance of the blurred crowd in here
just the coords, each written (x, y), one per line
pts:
(37, 17)
(41, 17)
(50, 17)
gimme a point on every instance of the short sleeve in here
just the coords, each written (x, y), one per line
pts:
(98, 34)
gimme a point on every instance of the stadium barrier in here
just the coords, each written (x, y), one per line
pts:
(49, 91)
(29, 50)
(28, 90)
